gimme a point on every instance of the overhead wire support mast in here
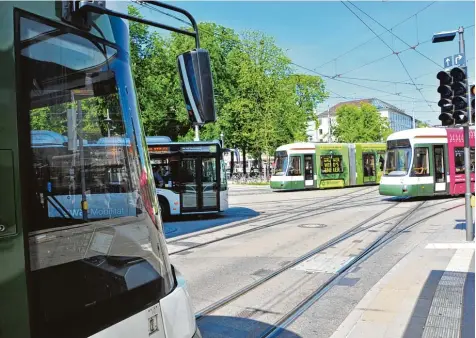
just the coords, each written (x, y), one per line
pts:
(444, 37)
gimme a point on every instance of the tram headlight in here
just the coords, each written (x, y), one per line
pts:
(404, 189)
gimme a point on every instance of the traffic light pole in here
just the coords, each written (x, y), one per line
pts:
(467, 154)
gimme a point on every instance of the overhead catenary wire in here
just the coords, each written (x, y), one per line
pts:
(371, 39)
(398, 56)
(391, 32)
(339, 77)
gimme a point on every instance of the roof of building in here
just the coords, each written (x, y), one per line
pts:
(379, 104)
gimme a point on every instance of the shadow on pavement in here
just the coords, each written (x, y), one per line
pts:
(236, 327)
(181, 225)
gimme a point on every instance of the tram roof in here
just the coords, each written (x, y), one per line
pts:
(297, 146)
(412, 133)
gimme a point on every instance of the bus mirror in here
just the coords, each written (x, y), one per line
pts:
(197, 85)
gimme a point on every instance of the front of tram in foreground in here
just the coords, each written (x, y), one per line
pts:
(64, 271)
(426, 162)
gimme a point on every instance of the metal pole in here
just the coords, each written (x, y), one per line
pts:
(467, 158)
(197, 136)
(108, 124)
(84, 201)
(329, 121)
(413, 113)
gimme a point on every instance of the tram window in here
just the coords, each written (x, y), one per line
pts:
(421, 162)
(331, 164)
(459, 160)
(381, 159)
(103, 250)
(368, 160)
(295, 166)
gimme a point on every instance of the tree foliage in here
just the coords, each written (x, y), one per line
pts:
(361, 123)
(260, 102)
(421, 124)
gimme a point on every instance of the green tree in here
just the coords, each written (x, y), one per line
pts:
(310, 91)
(361, 123)
(421, 124)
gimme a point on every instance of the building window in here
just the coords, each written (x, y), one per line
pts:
(320, 131)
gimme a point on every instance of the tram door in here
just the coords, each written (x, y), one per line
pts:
(199, 179)
(308, 171)
(439, 165)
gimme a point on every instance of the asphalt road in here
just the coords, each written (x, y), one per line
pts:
(265, 233)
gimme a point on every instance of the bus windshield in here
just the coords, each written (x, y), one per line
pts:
(281, 163)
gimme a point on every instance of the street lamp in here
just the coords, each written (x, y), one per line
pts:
(444, 37)
(221, 138)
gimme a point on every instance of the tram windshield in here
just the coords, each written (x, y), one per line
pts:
(281, 163)
(398, 158)
(94, 244)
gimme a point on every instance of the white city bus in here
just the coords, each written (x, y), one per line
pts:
(193, 176)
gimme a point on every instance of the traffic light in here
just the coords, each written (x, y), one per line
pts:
(473, 94)
(446, 96)
(460, 95)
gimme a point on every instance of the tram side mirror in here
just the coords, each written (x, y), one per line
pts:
(197, 85)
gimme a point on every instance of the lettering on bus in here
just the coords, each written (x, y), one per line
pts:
(199, 149)
(159, 150)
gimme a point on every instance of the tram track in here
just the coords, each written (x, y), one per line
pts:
(337, 239)
(303, 214)
(294, 217)
(270, 216)
(354, 230)
(391, 234)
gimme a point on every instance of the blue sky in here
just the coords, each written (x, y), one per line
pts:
(316, 35)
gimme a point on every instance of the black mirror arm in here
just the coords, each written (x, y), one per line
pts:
(95, 8)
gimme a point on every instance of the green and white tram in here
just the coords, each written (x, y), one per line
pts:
(426, 162)
(327, 165)
(94, 273)
(193, 173)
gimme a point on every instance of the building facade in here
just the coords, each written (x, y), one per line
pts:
(398, 119)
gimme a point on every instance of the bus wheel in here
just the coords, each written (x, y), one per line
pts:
(164, 209)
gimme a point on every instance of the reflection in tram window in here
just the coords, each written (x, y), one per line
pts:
(368, 160)
(397, 162)
(421, 162)
(281, 163)
(93, 245)
(294, 168)
(459, 160)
